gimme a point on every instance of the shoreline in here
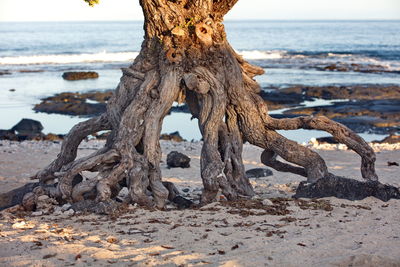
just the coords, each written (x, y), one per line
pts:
(368, 109)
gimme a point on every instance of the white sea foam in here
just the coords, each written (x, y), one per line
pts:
(257, 54)
(69, 59)
(112, 57)
(339, 55)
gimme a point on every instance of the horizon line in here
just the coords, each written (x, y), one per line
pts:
(227, 20)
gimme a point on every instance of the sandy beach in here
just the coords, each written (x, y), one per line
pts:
(270, 230)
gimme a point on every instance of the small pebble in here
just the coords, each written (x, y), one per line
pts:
(69, 212)
(267, 202)
(112, 239)
(65, 207)
(37, 213)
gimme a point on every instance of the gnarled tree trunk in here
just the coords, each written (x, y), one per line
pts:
(185, 56)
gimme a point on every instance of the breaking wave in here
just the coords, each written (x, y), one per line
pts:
(108, 57)
(69, 59)
(259, 55)
(287, 58)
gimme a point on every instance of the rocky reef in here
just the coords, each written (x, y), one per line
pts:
(80, 75)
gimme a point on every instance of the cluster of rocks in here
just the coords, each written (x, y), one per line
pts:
(378, 116)
(77, 104)
(357, 92)
(258, 173)
(181, 108)
(27, 129)
(4, 72)
(346, 67)
(284, 99)
(7, 72)
(94, 103)
(175, 136)
(391, 139)
(46, 205)
(369, 108)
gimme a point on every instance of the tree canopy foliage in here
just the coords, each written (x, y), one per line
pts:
(92, 2)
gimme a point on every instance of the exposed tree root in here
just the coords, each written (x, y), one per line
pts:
(341, 133)
(70, 145)
(15, 196)
(185, 57)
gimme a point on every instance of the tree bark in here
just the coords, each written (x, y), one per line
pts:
(185, 56)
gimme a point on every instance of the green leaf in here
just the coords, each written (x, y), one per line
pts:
(92, 2)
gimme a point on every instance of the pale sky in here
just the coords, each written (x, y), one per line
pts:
(62, 10)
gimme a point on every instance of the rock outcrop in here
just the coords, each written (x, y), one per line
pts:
(178, 160)
(80, 75)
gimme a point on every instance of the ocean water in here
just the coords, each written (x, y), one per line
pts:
(291, 52)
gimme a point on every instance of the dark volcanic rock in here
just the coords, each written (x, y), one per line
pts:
(28, 127)
(182, 202)
(345, 67)
(181, 108)
(340, 187)
(274, 99)
(53, 137)
(78, 108)
(176, 159)
(75, 103)
(258, 172)
(4, 72)
(391, 139)
(379, 116)
(78, 104)
(327, 140)
(358, 118)
(80, 75)
(335, 67)
(175, 136)
(367, 92)
(8, 135)
(283, 116)
(35, 137)
(282, 99)
(102, 136)
(104, 208)
(30, 70)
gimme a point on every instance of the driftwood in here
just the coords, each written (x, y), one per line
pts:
(185, 57)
